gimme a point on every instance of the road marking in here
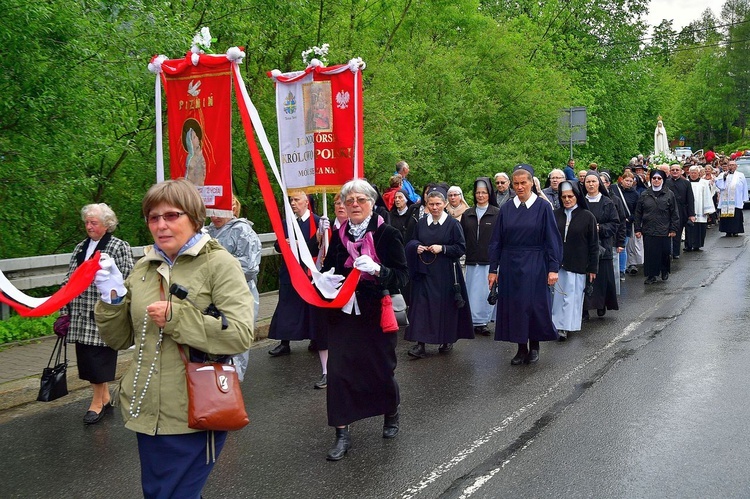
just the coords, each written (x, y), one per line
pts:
(445, 467)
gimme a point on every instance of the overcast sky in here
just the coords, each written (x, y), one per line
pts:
(682, 12)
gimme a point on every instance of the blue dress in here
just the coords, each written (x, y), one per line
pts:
(525, 246)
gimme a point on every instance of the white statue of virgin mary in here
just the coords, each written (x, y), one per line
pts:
(661, 143)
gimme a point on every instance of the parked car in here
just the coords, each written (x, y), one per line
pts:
(743, 165)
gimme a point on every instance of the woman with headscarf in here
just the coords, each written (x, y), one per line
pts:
(656, 220)
(477, 223)
(580, 261)
(457, 205)
(438, 313)
(604, 294)
(404, 214)
(525, 254)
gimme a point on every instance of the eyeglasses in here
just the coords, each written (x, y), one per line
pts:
(567, 196)
(359, 200)
(169, 217)
(501, 182)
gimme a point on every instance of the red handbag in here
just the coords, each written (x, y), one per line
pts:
(214, 396)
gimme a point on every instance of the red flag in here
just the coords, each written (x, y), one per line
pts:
(199, 119)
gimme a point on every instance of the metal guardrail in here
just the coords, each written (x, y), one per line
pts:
(50, 270)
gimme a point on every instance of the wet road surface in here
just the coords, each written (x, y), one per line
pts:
(648, 401)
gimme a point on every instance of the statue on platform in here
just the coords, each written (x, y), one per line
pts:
(661, 143)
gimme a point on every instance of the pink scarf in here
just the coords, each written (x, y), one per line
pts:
(365, 246)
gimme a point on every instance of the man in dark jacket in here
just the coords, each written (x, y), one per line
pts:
(683, 193)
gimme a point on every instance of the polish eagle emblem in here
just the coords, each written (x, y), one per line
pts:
(194, 88)
(342, 99)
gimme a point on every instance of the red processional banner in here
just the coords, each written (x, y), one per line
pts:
(319, 114)
(199, 120)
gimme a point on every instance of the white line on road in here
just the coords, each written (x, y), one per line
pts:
(443, 468)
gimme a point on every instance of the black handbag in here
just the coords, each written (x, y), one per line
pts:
(54, 382)
(400, 309)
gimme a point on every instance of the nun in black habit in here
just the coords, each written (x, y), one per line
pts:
(439, 312)
(604, 295)
(525, 254)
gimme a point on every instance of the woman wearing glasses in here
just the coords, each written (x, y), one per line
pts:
(97, 362)
(175, 459)
(580, 260)
(361, 357)
(656, 221)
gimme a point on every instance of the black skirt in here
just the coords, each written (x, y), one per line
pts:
(604, 288)
(361, 365)
(657, 255)
(96, 364)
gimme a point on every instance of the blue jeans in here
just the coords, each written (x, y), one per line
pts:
(624, 256)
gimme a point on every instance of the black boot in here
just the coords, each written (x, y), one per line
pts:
(390, 425)
(520, 357)
(342, 444)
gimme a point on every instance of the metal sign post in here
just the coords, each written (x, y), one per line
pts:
(572, 127)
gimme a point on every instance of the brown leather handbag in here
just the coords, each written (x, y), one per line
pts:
(214, 396)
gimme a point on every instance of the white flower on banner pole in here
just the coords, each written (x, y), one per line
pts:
(201, 44)
(321, 55)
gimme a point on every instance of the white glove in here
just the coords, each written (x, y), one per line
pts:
(328, 283)
(109, 278)
(364, 263)
(324, 225)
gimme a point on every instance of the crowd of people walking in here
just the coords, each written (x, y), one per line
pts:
(531, 260)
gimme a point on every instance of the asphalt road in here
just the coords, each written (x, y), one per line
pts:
(649, 401)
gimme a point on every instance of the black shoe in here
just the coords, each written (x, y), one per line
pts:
(601, 311)
(562, 335)
(92, 417)
(687, 250)
(622, 276)
(280, 350)
(322, 383)
(481, 330)
(519, 359)
(532, 357)
(632, 270)
(675, 257)
(417, 351)
(445, 347)
(664, 276)
(650, 280)
(390, 425)
(585, 317)
(342, 444)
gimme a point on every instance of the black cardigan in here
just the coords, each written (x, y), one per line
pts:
(581, 246)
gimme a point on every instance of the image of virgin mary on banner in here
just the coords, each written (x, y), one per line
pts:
(199, 119)
(319, 114)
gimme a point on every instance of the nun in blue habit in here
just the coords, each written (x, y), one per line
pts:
(580, 262)
(525, 256)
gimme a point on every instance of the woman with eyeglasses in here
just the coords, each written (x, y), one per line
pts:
(656, 221)
(97, 362)
(439, 313)
(361, 357)
(580, 261)
(457, 205)
(139, 311)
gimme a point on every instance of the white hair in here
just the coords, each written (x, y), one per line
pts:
(101, 211)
